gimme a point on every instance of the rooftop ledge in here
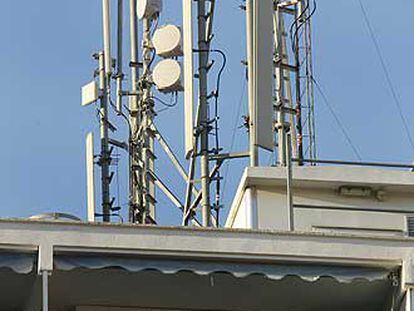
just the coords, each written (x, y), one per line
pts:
(232, 245)
(331, 177)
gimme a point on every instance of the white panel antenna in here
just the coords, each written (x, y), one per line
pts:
(106, 18)
(90, 175)
(167, 41)
(188, 75)
(90, 93)
(167, 76)
(148, 8)
(260, 60)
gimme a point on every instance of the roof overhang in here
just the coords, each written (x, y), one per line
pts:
(192, 265)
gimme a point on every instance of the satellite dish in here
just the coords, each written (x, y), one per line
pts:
(167, 41)
(167, 76)
(148, 8)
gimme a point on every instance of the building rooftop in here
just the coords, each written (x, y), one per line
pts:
(180, 268)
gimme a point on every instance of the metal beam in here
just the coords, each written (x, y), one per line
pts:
(173, 198)
(163, 143)
(198, 198)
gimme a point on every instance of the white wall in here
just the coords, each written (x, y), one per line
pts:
(327, 211)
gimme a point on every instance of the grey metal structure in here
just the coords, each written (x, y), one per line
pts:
(135, 191)
(105, 156)
(293, 75)
(146, 213)
(204, 47)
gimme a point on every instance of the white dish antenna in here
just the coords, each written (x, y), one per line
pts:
(90, 93)
(167, 76)
(148, 8)
(167, 41)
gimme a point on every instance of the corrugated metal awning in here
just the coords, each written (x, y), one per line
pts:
(310, 273)
(17, 262)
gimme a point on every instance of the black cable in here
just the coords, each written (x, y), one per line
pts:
(338, 121)
(122, 115)
(298, 18)
(233, 137)
(161, 101)
(387, 74)
(293, 38)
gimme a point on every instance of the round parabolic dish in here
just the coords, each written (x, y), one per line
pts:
(147, 8)
(167, 76)
(167, 41)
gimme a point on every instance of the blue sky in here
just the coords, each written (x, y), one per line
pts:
(46, 57)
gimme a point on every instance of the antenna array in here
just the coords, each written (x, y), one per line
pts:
(275, 109)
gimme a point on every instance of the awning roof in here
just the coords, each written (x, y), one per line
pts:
(309, 273)
(195, 284)
(18, 262)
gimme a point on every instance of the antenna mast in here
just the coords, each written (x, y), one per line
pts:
(147, 214)
(293, 79)
(204, 47)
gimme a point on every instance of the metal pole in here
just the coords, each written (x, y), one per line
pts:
(147, 106)
(289, 177)
(45, 290)
(203, 47)
(254, 151)
(299, 126)
(134, 173)
(105, 157)
(280, 87)
(119, 74)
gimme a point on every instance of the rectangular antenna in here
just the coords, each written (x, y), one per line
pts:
(260, 61)
(90, 177)
(90, 93)
(188, 75)
(106, 19)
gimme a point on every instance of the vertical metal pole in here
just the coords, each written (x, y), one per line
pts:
(134, 176)
(45, 290)
(289, 178)
(147, 107)
(299, 125)
(106, 18)
(203, 48)
(254, 151)
(119, 63)
(105, 157)
(281, 86)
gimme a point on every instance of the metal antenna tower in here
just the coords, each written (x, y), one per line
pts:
(270, 50)
(142, 115)
(199, 131)
(294, 95)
